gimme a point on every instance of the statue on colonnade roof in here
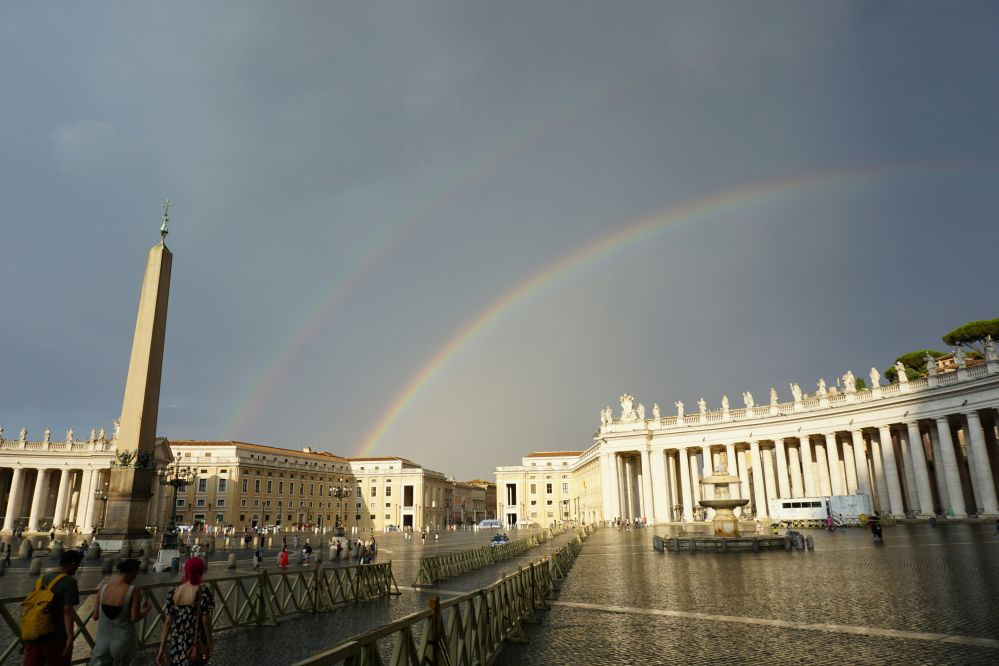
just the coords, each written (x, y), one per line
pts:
(679, 409)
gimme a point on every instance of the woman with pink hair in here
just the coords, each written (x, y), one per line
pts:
(187, 627)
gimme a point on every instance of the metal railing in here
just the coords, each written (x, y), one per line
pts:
(259, 599)
(440, 567)
(469, 629)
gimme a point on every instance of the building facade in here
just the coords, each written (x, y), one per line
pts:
(538, 491)
(916, 448)
(398, 492)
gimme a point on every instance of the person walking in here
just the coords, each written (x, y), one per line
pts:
(283, 558)
(258, 558)
(56, 647)
(119, 607)
(187, 623)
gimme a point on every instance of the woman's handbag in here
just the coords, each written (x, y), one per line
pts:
(199, 652)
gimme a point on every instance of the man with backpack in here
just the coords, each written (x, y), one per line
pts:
(47, 622)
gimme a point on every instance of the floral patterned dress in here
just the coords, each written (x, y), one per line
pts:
(181, 636)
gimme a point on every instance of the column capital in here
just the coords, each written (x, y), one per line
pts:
(973, 414)
(942, 419)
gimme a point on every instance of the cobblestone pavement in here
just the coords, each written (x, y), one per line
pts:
(927, 596)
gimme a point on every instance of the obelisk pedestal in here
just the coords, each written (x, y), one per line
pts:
(134, 471)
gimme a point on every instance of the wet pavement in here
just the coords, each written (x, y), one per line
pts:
(926, 596)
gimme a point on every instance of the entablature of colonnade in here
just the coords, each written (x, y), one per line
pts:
(960, 392)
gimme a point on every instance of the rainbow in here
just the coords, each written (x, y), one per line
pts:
(724, 202)
(263, 385)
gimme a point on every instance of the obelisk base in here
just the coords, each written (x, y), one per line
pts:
(129, 493)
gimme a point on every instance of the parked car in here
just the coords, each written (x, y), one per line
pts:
(393, 528)
(490, 523)
(499, 540)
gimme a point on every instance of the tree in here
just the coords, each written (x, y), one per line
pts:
(914, 363)
(859, 383)
(972, 335)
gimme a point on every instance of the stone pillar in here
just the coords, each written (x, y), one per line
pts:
(695, 482)
(648, 512)
(688, 502)
(836, 485)
(759, 492)
(629, 488)
(768, 475)
(860, 460)
(849, 466)
(782, 475)
(14, 499)
(938, 470)
(808, 469)
(660, 488)
(955, 494)
(622, 490)
(794, 464)
(880, 482)
(982, 470)
(822, 467)
(59, 514)
(923, 493)
(910, 493)
(87, 501)
(745, 493)
(38, 499)
(891, 472)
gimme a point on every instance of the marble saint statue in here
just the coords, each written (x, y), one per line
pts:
(93, 435)
(960, 358)
(69, 436)
(117, 427)
(655, 410)
(1, 433)
(47, 436)
(641, 412)
(102, 436)
(725, 403)
(23, 436)
(822, 386)
(679, 409)
(603, 417)
(990, 349)
(773, 397)
(875, 377)
(850, 382)
(931, 366)
(627, 411)
(900, 371)
(747, 398)
(702, 406)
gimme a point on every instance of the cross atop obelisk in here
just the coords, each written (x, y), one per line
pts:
(134, 470)
(165, 226)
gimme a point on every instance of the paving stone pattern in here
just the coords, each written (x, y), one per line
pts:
(943, 580)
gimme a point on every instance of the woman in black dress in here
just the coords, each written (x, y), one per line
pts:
(188, 613)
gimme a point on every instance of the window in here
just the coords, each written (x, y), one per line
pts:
(256, 485)
(358, 508)
(388, 516)
(270, 486)
(374, 491)
(222, 485)
(565, 488)
(181, 501)
(280, 487)
(548, 489)
(388, 491)
(372, 516)
(199, 517)
(267, 504)
(534, 489)
(202, 485)
(246, 484)
(548, 502)
(219, 503)
(200, 503)
(242, 502)
(359, 493)
(312, 489)
(301, 490)
(320, 490)
(534, 502)
(256, 502)
(388, 505)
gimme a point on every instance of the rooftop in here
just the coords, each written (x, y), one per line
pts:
(262, 448)
(553, 454)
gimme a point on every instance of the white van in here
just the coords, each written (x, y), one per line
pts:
(490, 524)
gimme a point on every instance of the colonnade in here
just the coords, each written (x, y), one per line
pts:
(44, 497)
(945, 465)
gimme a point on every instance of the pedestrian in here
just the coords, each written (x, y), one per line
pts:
(294, 542)
(52, 534)
(423, 537)
(118, 608)
(258, 558)
(187, 623)
(283, 558)
(55, 647)
(339, 548)
(829, 522)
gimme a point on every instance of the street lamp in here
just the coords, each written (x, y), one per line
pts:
(101, 495)
(179, 476)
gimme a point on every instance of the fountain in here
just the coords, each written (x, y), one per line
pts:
(725, 522)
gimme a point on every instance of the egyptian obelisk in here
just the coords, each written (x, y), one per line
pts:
(134, 470)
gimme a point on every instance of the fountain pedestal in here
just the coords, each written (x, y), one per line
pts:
(725, 522)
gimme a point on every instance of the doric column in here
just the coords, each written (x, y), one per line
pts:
(14, 499)
(782, 478)
(38, 499)
(695, 482)
(982, 470)
(822, 468)
(954, 491)
(860, 460)
(849, 468)
(808, 470)
(759, 493)
(836, 484)
(622, 488)
(629, 487)
(673, 481)
(794, 465)
(768, 474)
(938, 472)
(660, 487)
(891, 472)
(910, 493)
(918, 455)
(648, 512)
(743, 457)
(880, 483)
(61, 497)
(688, 501)
(607, 478)
(87, 501)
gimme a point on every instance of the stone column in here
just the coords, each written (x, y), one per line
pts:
(38, 499)
(745, 493)
(673, 480)
(688, 502)
(822, 468)
(695, 482)
(795, 466)
(607, 477)
(758, 489)
(982, 470)
(14, 499)
(782, 476)
(768, 475)
(891, 472)
(629, 488)
(954, 491)
(918, 455)
(660, 488)
(622, 490)
(910, 494)
(849, 468)
(860, 460)
(836, 485)
(87, 501)
(648, 512)
(938, 469)
(60, 507)
(881, 484)
(808, 470)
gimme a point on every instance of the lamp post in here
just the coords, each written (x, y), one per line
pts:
(101, 495)
(178, 476)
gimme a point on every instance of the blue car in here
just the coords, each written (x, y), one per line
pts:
(499, 540)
